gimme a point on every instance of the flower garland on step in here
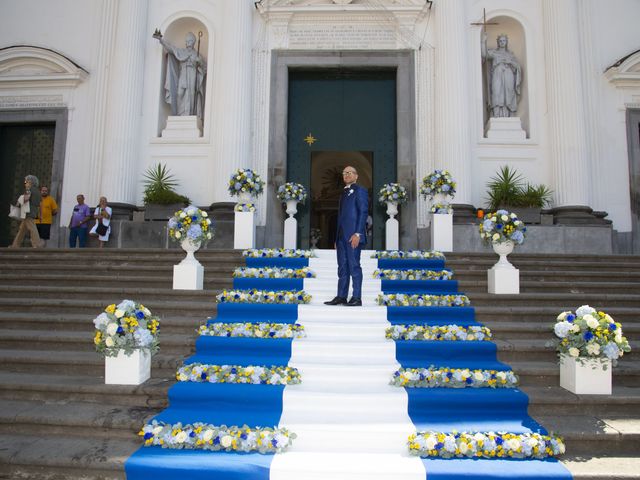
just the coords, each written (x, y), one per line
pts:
(277, 253)
(485, 445)
(264, 296)
(441, 208)
(254, 375)
(253, 330)
(273, 272)
(433, 377)
(407, 254)
(244, 207)
(204, 436)
(421, 300)
(392, 274)
(444, 332)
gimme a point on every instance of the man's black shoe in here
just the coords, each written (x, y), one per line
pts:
(354, 302)
(337, 301)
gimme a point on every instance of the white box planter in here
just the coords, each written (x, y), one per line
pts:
(590, 377)
(244, 234)
(128, 370)
(442, 232)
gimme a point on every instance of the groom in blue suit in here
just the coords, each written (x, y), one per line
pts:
(351, 236)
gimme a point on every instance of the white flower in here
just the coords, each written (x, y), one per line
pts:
(478, 376)
(157, 430)
(181, 437)
(593, 349)
(119, 313)
(109, 342)
(608, 318)
(575, 328)
(183, 215)
(504, 218)
(574, 352)
(562, 316)
(112, 328)
(226, 441)
(431, 442)
(101, 320)
(177, 234)
(561, 329)
(207, 435)
(204, 214)
(464, 447)
(585, 310)
(591, 321)
(496, 236)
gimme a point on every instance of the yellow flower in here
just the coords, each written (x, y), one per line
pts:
(111, 308)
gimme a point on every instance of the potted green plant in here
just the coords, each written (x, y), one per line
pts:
(160, 198)
(509, 191)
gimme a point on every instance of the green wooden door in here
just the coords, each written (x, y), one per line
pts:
(346, 116)
(25, 149)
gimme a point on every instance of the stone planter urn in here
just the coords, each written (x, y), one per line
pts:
(189, 273)
(503, 277)
(189, 246)
(392, 228)
(503, 249)
(292, 207)
(245, 197)
(291, 225)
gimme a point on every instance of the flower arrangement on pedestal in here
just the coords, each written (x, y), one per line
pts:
(126, 327)
(590, 334)
(191, 224)
(315, 234)
(291, 191)
(502, 226)
(245, 181)
(394, 193)
(438, 182)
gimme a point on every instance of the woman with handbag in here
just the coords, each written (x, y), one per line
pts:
(102, 214)
(29, 203)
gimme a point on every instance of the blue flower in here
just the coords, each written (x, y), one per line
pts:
(612, 326)
(148, 435)
(120, 330)
(139, 315)
(517, 236)
(570, 318)
(499, 440)
(216, 440)
(499, 226)
(588, 336)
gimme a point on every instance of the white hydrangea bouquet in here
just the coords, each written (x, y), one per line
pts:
(245, 180)
(392, 192)
(127, 326)
(502, 226)
(190, 223)
(439, 181)
(292, 191)
(590, 334)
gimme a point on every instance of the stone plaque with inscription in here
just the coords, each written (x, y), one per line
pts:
(341, 36)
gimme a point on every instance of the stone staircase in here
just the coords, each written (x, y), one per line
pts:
(59, 421)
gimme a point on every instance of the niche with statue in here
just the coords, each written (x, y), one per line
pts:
(185, 48)
(505, 90)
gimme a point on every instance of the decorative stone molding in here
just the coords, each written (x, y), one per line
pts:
(31, 101)
(27, 66)
(625, 73)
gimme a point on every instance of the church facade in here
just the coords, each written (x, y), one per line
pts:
(91, 97)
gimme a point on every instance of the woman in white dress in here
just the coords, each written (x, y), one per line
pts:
(102, 214)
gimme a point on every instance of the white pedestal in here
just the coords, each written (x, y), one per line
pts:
(131, 370)
(188, 276)
(244, 232)
(185, 127)
(442, 232)
(503, 280)
(392, 238)
(290, 233)
(505, 128)
(589, 378)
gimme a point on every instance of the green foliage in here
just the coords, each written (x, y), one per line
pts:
(508, 189)
(159, 187)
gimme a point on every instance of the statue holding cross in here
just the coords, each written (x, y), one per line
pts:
(504, 75)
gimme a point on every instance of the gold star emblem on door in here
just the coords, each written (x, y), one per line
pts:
(310, 139)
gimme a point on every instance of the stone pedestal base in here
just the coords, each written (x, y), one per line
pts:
(188, 276)
(503, 280)
(587, 378)
(128, 370)
(188, 126)
(290, 233)
(442, 232)
(392, 238)
(244, 232)
(505, 128)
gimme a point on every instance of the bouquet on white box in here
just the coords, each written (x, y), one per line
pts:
(439, 181)
(392, 192)
(127, 326)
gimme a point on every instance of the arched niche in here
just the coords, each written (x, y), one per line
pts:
(514, 30)
(175, 33)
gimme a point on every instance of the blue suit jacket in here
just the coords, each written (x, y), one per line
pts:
(352, 213)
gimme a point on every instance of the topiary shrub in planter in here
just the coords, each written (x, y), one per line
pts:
(160, 198)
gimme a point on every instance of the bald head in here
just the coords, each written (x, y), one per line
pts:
(349, 175)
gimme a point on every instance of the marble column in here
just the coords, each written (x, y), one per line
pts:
(452, 138)
(233, 116)
(566, 124)
(106, 25)
(120, 176)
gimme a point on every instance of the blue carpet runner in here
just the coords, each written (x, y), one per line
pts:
(438, 409)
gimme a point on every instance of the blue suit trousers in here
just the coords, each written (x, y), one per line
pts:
(348, 268)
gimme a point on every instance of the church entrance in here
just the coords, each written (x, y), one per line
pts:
(25, 149)
(339, 117)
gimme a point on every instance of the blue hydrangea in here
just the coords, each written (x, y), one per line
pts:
(611, 351)
(195, 231)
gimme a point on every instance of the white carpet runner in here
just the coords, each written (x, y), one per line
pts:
(351, 424)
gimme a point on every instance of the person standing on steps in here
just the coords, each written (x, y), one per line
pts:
(351, 235)
(48, 210)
